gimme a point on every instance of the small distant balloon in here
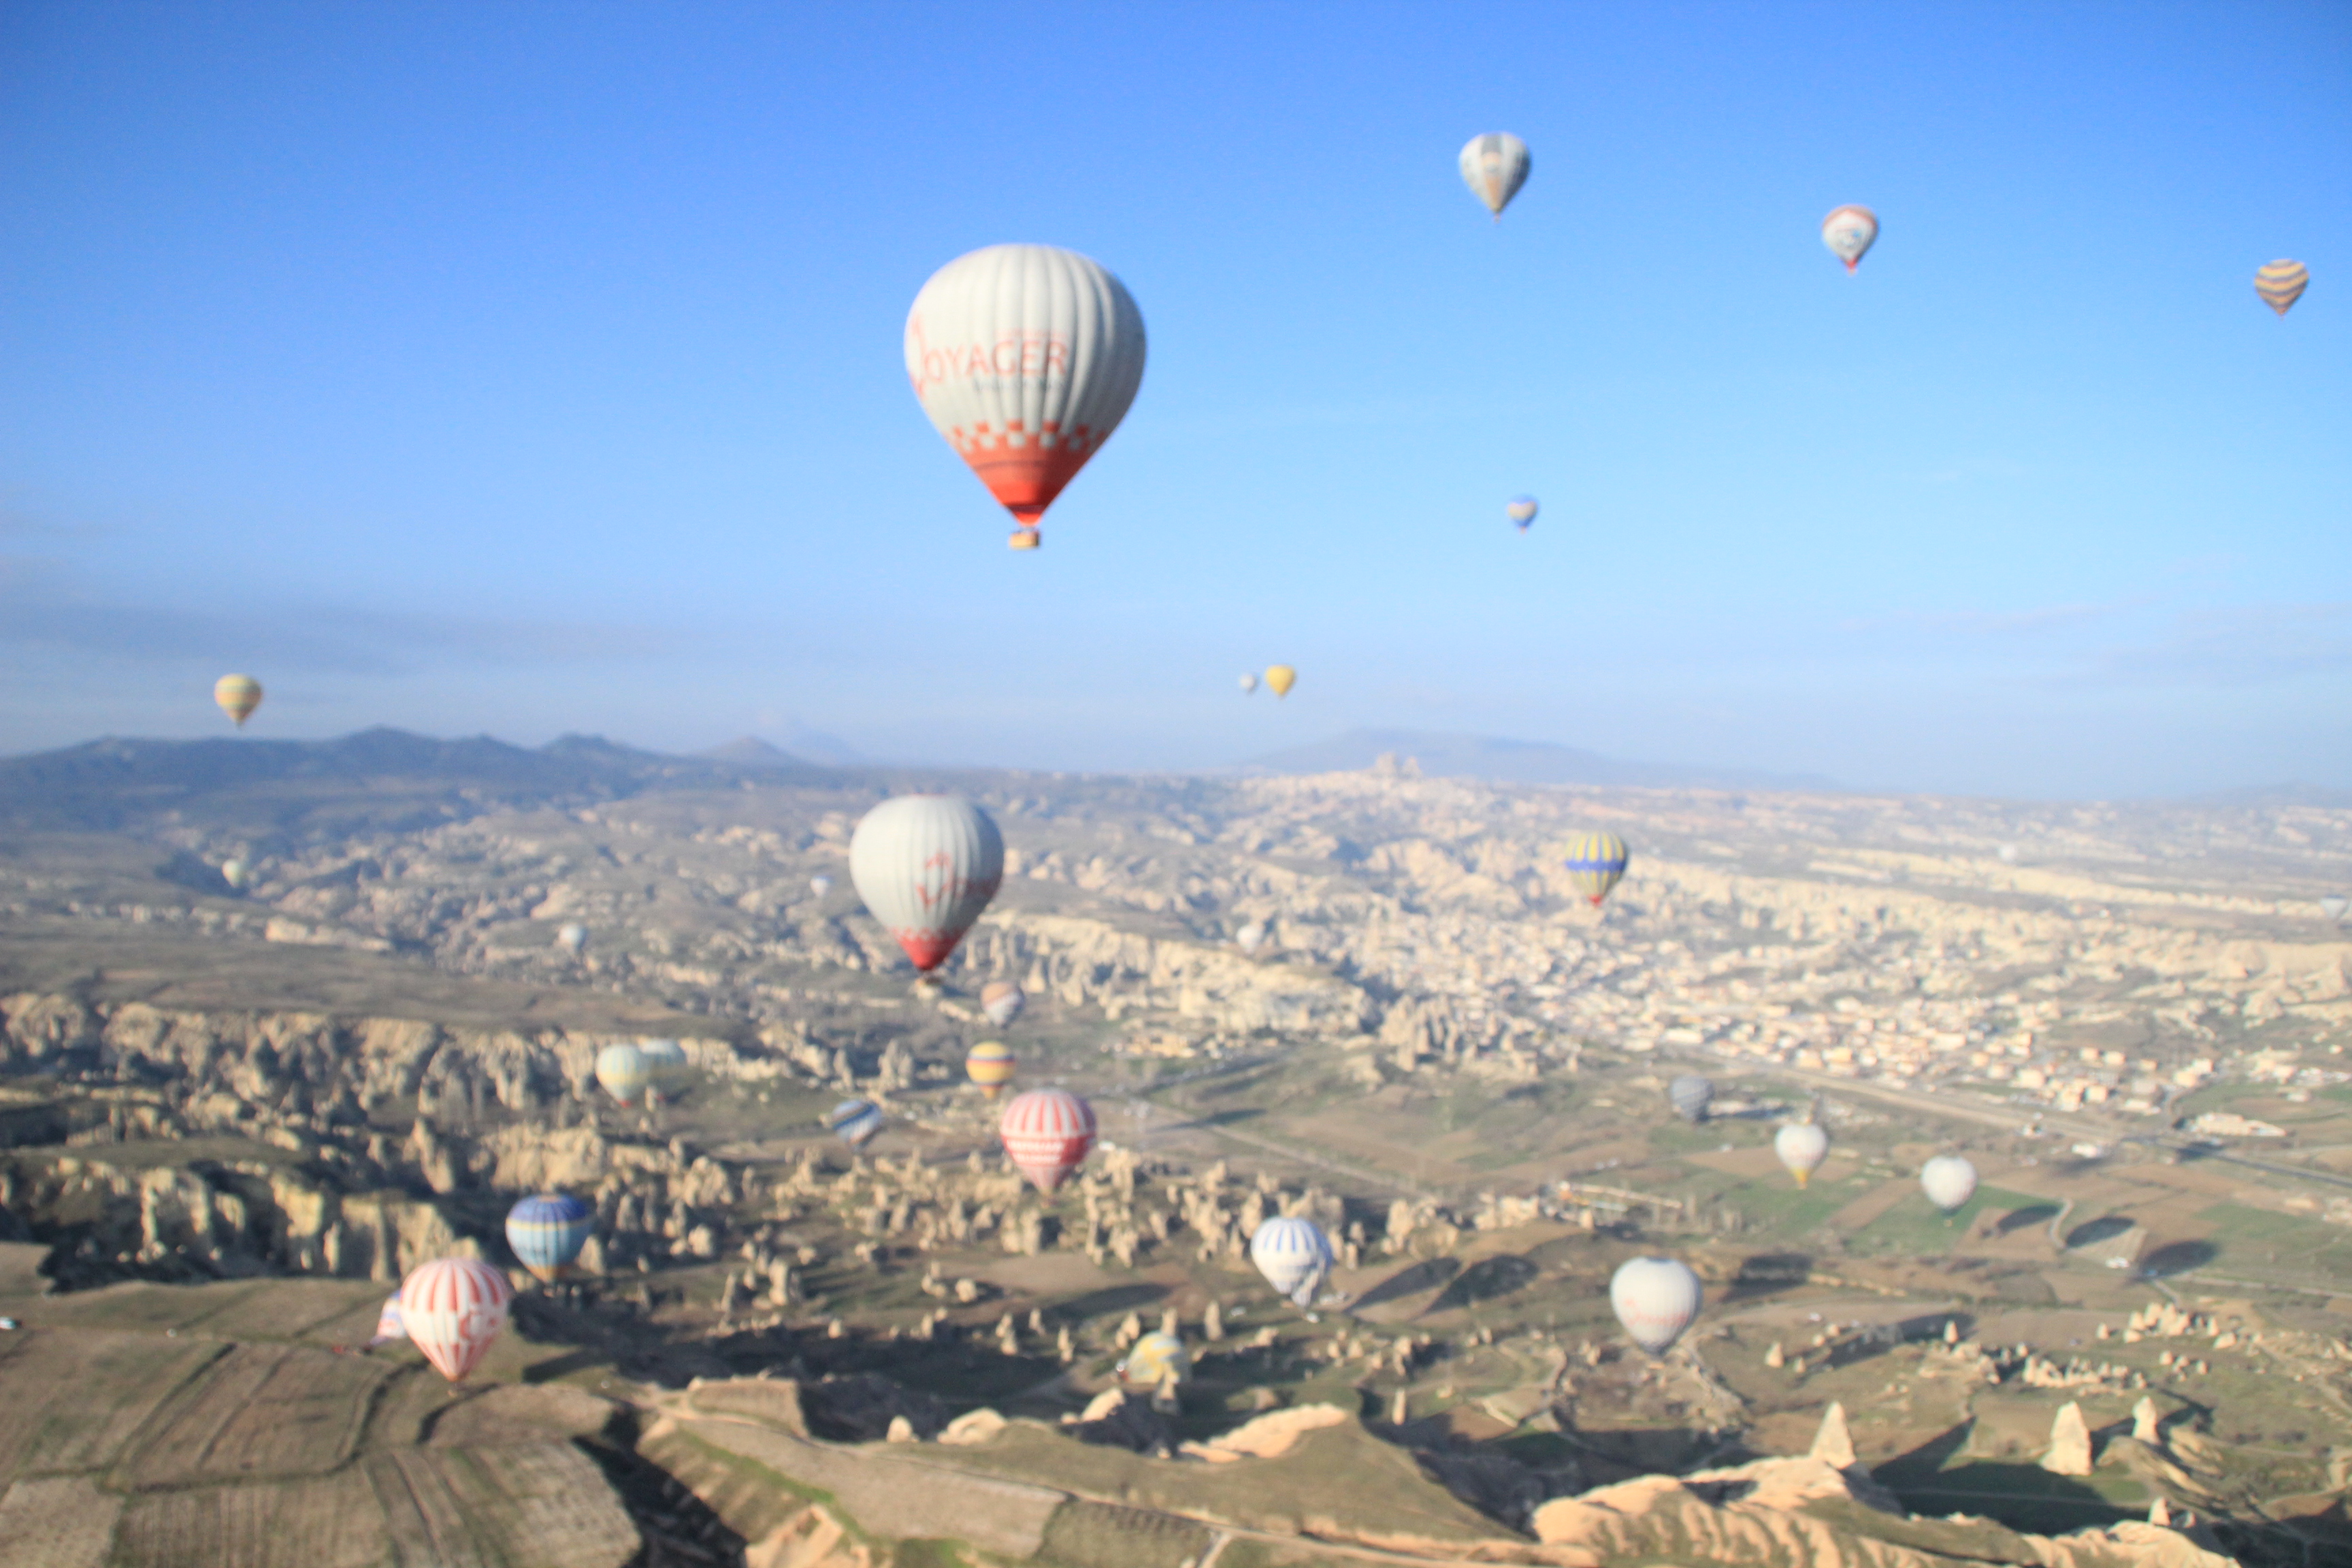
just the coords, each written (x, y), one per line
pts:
(1849, 232)
(1251, 937)
(665, 1060)
(571, 938)
(547, 1232)
(1495, 166)
(2281, 283)
(236, 873)
(388, 1326)
(1521, 509)
(1280, 679)
(1596, 862)
(625, 1072)
(238, 696)
(1294, 1255)
(1948, 1180)
(1803, 1146)
(2334, 905)
(820, 885)
(453, 1308)
(1656, 1298)
(1048, 1133)
(1002, 1001)
(1155, 1358)
(990, 1065)
(855, 1121)
(2008, 853)
(1249, 682)
(1690, 1095)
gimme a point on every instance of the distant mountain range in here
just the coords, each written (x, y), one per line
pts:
(1447, 755)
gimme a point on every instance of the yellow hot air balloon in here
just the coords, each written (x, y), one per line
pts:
(2281, 283)
(238, 696)
(990, 1065)
(1281, 677)
(1595, 861)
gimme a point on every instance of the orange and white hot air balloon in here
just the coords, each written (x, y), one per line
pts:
(2281, 283)
(1048, 1133)
(1495, 166)
(927, 866)
(1849, 231)
(453, 1308)
(1026, 357)
(238, 696)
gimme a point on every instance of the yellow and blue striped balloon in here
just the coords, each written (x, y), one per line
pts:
(2280, 283)
(547, 1232)
(990, 1064)
(1595, 861)
(1156, 1357)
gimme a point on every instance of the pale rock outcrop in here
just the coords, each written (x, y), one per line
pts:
(1833, 1443)
(2070, 1443)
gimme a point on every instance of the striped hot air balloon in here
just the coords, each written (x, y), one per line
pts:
(990, 1065)
(927, 866)
(1002, 1001)
(388, 1326)
(547, 1232)
(2281, 283)
(239, 695)
(665, 1060)
(1026, 358)
(453, 1308)
(1047, 1134)
(1294, 1255)
(1495, 166)
(1850, 232)
(1595, 862)
(1154, 1359)
(856, 1122)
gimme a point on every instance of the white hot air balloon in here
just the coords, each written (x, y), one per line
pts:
(625, 1072)
(1948, 1180)
(926, 866)
(1849, 231)
(1249, 681)
(1026, 358)
(571, 938)
(1294, 1255)
(1656, 1298)
(820, 885)
(1803, 1146)
(665, 1061)
(1495, 166)
(2333, 905)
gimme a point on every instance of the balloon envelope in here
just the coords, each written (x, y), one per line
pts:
(1251, 937)
(1249, 682)
(820, 886)
(1002, 1001)
(571, 938)
(388, 1326)
(1154, 1358)
(665, 1060)
(2281, 283)
(926, 866)
(1948, 1180)
(624, 1071)
(1656, 1298)
(1026, 357)
(238, 696)
(1849, 232)
(2334, 905)
(990, 1064)
(1495, 166)
(1690, 1095)
(1522, 511)
(547, 1231)
(1280, 679)
(1596, 862)
(855, 1120)
(1294, 1255)
(453, 1308)
(1047, 1134)
(1803, 1146)
(236, 873)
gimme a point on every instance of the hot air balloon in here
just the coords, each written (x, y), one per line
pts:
(1690, 1096)
(453, 1308)
(388, 1326)
(1251, 937)
(990, 1065)
(236, 873)
(1595, 862)
(665, 1060)
(547, 1231)
(1026, 358)
(1249, 683)
(1047, 1134)
(1280, 679)
(1153, 1359)
(1948, 1182)
(2280, 283)
(2333, 906)
(926, 866)
(2008, 853)
(624, 1071)
(1656, 1298)
(1495, 166)
(855, 1120)
(1521, 509)
(238, 696)
(571, 938)
(1803, 1146)
(1002, 1001)
(1849, 232)
(1294, 1255)
(820, 885)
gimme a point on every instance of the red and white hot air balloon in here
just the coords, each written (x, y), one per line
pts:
(453, 1308)
(1026, 358)
(1047, 1134)
(926, 866)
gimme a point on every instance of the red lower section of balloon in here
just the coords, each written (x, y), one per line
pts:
(1048, 1162)
(1596, 899)
(929, 949)
(1025, 479)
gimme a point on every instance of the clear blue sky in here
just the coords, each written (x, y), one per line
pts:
(532, 368)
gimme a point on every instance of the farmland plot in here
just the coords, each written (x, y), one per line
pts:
(261, 1410)
(59, 1522)
(72, 1399)
(329, 1523)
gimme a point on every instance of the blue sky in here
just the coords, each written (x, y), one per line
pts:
(536, 368)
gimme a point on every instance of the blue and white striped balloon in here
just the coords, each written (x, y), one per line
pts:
(547, 1231)
(1294, 1255)
(855, 1120)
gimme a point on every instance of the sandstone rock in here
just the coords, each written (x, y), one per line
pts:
(973, 1427)
(2070, 1443)
(1834, 1444)
(1271, 1436)
(2144, 1422)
